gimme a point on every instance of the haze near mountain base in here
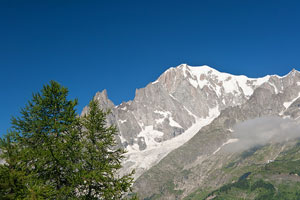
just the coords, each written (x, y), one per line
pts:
(263, 130)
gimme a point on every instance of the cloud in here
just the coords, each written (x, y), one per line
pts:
(263, 130)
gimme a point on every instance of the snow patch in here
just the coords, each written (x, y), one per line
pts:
(166, 115)
(174, 123)
(173, 97)
(160, 120)
(122, 121)
(124, 108)
(227, 142)
(201, 76)
(275, 88)
(149, 134)
(163, 113)
(193, 82)
(190, 113)
(143, 160)
(230, 130)
(230, 86)
(260, 81)
(122, 139)
(288, 103)
(155, 82)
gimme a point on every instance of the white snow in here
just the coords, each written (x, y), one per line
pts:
(203, 83)
(260, 81)
(173, 97)
(288, 103)
(190, 113)
(184, 69)
(155, 81)
(230, 130)
(166, 115)
(227, 142)
(155, 151)
(122, 138)
(122, 121)
(274, 86)
(163, 113)
(230, 86)
(160, 120)
(149, 134)
(174, 123)
(198, 77)
(230, 83)
(124, 108)
(194, 82)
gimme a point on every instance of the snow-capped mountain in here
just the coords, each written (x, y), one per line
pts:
(171, 110)
(241, 139)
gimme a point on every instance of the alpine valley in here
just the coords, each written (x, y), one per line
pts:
(197, 133)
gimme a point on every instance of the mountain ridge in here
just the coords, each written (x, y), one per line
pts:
(194, 163)
(182, 100)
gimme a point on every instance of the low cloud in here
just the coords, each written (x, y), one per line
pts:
(260, 131)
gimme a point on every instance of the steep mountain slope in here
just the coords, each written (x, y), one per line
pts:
(277, 179)
(171, 110)
(203, 161)
(183, 134)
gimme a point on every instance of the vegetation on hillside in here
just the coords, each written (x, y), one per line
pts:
(278, 179)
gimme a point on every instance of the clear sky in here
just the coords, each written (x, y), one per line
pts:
(122, 45)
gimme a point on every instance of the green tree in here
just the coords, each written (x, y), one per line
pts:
(101, 158)
(48, 132)
(12, 177)
(54, 154)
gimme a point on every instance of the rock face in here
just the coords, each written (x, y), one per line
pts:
(202, 162)
(171, 110)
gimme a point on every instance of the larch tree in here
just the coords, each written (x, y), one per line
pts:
(101, 158)
(48, 132)
(52, 153)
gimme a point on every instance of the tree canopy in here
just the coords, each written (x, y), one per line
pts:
(52, 153)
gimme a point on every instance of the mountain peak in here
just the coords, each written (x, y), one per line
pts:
(293, 71)
(204, 69)
(103, 93)
(102, 97)
(201, 68)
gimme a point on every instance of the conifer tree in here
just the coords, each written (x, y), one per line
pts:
(54, 154)
(12, 177)
(101, 158)
(48, 132)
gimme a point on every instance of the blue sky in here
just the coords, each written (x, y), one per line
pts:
(89, 46)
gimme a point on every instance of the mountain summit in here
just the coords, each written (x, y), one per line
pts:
(171, 110)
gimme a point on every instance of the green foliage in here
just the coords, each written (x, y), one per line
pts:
(275, 180)
(100, 158)
(54, 154)
(260, 189)
(48, 133)
(12, 178)
(262, 184)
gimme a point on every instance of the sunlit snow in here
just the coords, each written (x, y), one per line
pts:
(230, 83)
(287, 104)
(142, 160)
